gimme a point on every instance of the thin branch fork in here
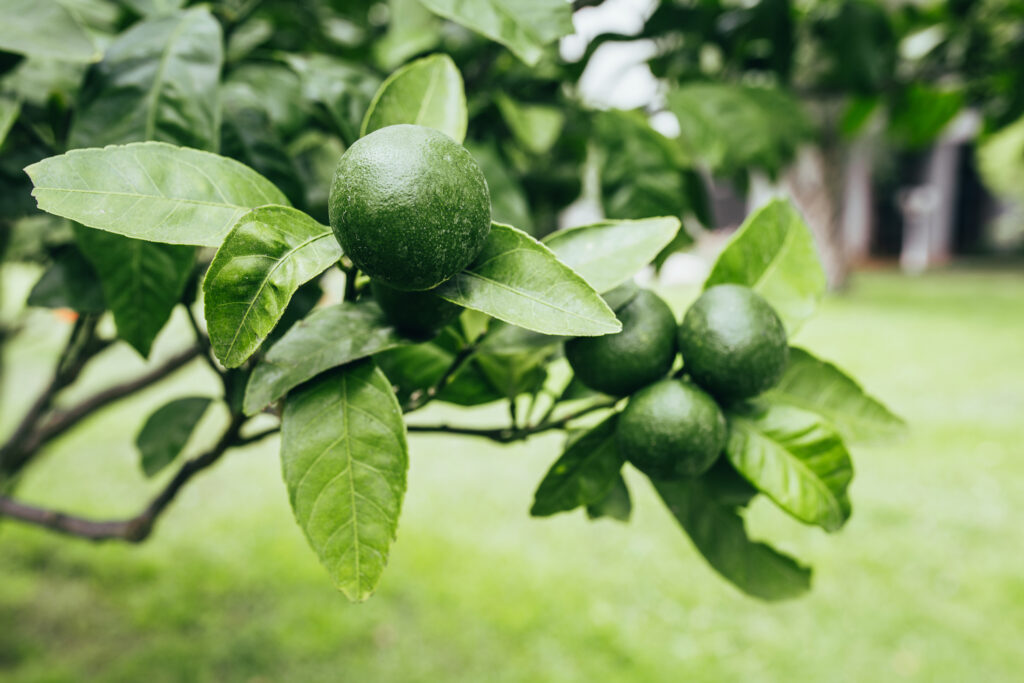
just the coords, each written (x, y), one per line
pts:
(138, 528)
(510, 434)
(17, 452)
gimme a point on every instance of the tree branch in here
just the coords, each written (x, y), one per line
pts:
(510, 434)
(133, 529)
(418, 399)
(62, 421)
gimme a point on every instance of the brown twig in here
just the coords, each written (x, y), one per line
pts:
(510, 434)
(418, 399)
(62, 421)
(133, 529)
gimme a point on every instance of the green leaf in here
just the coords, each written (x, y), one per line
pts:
(427, 92)
(584, 474)
(820, 387)
(69, 282)
(165, 433)
(535, 126)
(795, 458)
(325, 339)
(420, 366)
(411, 31)
(44, 28)
(270, 252)
(609, 253)
(157, 81)
(517, 279)
(344, 455)
(142, 282)
(10, 107)
(149, 8)
(1000, 159)
(773, 253)
(732, 128)
(716, 529)
(616, 504)
(151, 191)
(344, 88)
(523, 26)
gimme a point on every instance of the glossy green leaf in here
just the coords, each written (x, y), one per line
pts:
(716, 529)
(536, 127)
(584, 474)
(615, 504)
(165, 432)
(151, 191)
(820, 387)
(157, 81)
(10, 107)
(270, 252)
(344, 456)
(325, 339)
(344, 88)
(142, 282)
(609, 253)
(773, 253)
(44, 28)
(69, 282)
(427, 92)
(412, 30)
(795, 458)
(523, 26)
(517, 279)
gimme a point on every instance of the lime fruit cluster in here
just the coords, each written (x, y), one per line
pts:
(409, 206)
(734, 347)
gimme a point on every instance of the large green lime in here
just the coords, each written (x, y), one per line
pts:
(409, 206)
(670, 429)
(416, 314)
(643, 352)
(733, 343)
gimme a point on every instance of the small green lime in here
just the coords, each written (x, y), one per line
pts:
(416, 314)
(733, 342)
(670, 429)
(409, 206)
(643, 352)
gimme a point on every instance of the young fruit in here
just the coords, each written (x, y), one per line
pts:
(671, 429)
(409, 206)
(643, 352)
(733, 343)
(416, 314)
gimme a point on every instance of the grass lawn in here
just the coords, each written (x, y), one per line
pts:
(925, 583)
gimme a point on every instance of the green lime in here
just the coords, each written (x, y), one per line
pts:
(671, 429)
(409, 206)
(416, 314)
(733, 342)
(643, 352)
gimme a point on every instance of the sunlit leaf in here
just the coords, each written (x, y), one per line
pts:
(270, 252)
(427, 92)
(151, 191)
(344, 455)
(44, 28)
(517, 279)
(773, 253)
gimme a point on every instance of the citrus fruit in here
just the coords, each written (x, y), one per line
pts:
(670, 429)
(733, 342)
(416, 314)
(643, 352)
(409, 206)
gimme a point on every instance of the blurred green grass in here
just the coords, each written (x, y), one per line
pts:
(925, 583)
